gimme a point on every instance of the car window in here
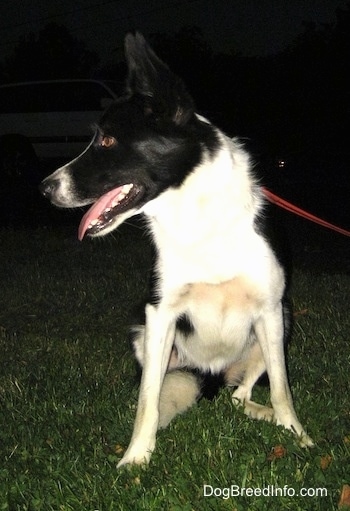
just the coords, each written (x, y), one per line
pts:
(53, 97)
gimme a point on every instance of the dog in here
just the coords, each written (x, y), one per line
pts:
(218, 301)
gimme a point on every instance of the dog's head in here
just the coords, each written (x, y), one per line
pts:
(145, 142)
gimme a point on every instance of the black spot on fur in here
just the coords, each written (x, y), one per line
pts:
(184, 325)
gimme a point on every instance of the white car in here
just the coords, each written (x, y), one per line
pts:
(49, 120)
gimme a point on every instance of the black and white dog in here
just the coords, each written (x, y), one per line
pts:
(218, 302)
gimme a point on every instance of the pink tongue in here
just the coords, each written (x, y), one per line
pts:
(97, 209)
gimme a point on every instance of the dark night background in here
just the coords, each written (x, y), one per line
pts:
(274, 73)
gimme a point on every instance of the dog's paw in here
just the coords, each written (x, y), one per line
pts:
(305, 441)
(255, 410)
(134, 458)
(292, 424)
(258, 412)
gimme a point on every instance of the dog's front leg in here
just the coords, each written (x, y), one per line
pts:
(269, 330)
(159, 338)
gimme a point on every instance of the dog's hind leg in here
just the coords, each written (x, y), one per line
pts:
(251, 368)
(159, 337)
(180, 391)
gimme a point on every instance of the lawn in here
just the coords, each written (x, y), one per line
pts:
(68, 387)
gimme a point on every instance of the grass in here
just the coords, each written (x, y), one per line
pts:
(68, 389)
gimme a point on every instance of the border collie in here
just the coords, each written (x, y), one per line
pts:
(218, 303)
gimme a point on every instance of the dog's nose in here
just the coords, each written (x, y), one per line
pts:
(48, 187)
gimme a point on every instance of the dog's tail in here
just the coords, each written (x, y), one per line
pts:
(180, 391)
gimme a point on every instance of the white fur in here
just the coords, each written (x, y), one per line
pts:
(217, 269)
(207, 225)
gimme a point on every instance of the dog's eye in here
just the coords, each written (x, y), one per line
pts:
(108, 141)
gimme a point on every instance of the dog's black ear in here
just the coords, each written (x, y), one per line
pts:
(165, 94)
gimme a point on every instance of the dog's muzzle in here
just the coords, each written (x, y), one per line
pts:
(49, 187)
(58, 188)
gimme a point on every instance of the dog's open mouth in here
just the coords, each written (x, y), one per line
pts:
(106, 208)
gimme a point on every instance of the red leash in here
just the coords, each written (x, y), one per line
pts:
(282, 203)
